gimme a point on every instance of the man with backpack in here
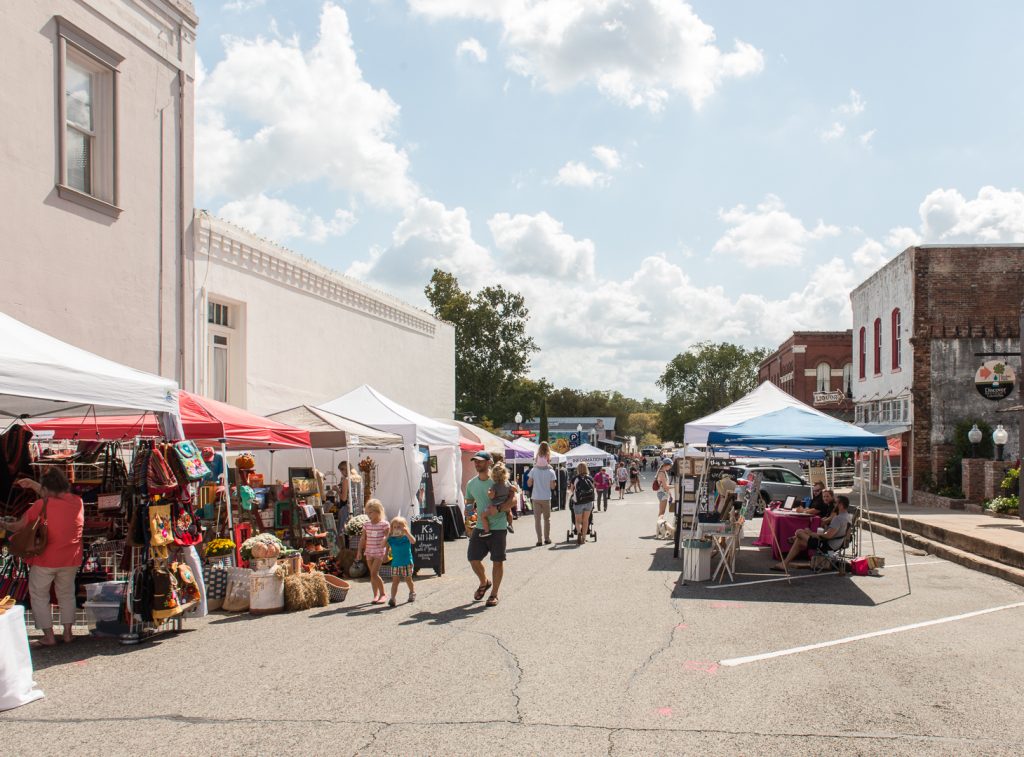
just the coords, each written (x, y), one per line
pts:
(582, 489)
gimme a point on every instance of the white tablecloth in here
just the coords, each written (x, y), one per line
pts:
(16, 684)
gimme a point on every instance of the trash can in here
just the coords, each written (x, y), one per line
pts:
(696, 560)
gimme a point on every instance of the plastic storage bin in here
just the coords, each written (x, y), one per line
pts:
(105, 592)
(104, 618)
(696, 560)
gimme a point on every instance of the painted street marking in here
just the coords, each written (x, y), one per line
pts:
(815, 575)
(681, 627)
(701, 666)
(860, 637)
(665, 712)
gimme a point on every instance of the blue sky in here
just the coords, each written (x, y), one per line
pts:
(649, 173)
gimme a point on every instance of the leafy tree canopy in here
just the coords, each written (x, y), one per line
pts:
(705, 378)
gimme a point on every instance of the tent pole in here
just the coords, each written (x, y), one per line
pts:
(865, 508)
(227, 488)
(899, 519)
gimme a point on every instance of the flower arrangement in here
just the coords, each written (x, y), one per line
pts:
(261, 546)
(220, 547)
(369, 469)
(354, 525)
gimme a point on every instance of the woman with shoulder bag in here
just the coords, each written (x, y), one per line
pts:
(58, 562)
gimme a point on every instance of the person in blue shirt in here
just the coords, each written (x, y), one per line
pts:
(400, 541)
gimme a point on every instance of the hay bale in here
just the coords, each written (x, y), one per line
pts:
(303, 591)
(316, 585)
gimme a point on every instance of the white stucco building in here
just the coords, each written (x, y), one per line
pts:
(274, 329)
(96, 187)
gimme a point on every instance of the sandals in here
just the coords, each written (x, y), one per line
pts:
(479, 594)
(492, 601)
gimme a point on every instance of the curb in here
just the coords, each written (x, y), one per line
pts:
(946, 552)
(973, 545)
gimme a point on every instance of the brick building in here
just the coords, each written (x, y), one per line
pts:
(920, 326)
(816, 367)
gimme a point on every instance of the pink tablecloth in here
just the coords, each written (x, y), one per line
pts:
(784, 524)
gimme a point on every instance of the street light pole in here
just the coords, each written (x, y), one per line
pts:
(519, 421)
(1000, 437)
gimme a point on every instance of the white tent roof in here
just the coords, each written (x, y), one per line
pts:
(533, 447)
(41, 375)
(327, 430)
(588, 452)
(368, 406)
(764, 399)
(492, 442)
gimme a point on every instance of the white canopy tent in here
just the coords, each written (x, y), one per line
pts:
(766, 398)
(43, 376)
(589, 454)
(368, 406)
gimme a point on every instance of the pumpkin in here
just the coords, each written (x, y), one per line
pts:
(259, 550)
(245, 461)
(271, 550)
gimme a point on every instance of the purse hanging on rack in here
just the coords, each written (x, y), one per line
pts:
(14, 578)
(189, 462)
(160, 529)
(160, 478)
(185, 524)
(90, 572)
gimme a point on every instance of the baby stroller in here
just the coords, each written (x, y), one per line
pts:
(571, 535)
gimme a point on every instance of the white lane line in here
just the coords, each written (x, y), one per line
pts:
(815, 575)
(900, 629)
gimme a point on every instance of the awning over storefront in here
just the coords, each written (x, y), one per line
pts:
(884, 429)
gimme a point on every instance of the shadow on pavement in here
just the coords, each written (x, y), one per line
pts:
(85, 648)
(445, 616)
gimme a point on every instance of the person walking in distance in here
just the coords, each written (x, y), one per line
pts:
(662, 486)
(621, 475)
(603, 485)
(542, 481)
(480, 544)
(582, 489)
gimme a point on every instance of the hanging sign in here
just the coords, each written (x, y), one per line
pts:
(994, 380)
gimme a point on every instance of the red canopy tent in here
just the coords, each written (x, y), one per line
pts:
(203, 420)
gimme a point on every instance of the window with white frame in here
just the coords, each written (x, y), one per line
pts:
(848, 379)
(87, 100)
(824, 375)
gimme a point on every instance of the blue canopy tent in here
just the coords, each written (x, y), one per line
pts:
(796, 427)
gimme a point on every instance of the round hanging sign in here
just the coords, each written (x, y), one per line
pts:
(995, 380)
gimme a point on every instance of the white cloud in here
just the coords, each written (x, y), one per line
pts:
(472, 48)
(539, 246)
(993, 216)
(768, 235)
(313, 118)
(575, 174)
(608, 157)
(854, 106)
(636, 52)
(279, 220)
(428, 236)
(241, 6)
(901, 238)
(834, 132)
(844, 113)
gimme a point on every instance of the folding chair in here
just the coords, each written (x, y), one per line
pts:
(838, 556)
(727, 546)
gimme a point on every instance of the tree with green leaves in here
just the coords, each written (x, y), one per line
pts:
(492, 348)
(705, 378)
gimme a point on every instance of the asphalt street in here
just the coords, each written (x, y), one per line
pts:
(592, 650)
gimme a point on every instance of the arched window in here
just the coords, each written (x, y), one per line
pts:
(824, 377)
(897, 350)
(878, 346)
(848, 379)
(862, 354)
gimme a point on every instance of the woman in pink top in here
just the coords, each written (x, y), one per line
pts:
(59, 562)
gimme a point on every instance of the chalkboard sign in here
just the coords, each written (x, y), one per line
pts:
(428, 551)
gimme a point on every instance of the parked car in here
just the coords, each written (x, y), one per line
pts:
(777, 483)
(650, 451)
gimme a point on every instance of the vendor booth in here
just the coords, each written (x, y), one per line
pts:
(441, 440)
(589, 454)
(800, 428)
(40, 376)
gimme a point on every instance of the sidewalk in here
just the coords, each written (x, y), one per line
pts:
(983, 542)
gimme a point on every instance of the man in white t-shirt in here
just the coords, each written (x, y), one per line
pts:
(542, 482)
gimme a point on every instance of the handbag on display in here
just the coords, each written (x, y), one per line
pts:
(160, 478)
(166, 597)
(188, 587)
(185, 525)
(90, 572)
(160, 529)
(31, 540)
(190, 461)
(14, 579)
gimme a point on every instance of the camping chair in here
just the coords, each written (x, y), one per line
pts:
(838, 556)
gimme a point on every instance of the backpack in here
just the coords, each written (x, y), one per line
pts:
(583, 486)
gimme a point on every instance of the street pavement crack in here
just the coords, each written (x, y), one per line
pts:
(669, 583)
(373, 739)
(518, 670)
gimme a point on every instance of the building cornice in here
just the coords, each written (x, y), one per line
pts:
(234, 246)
